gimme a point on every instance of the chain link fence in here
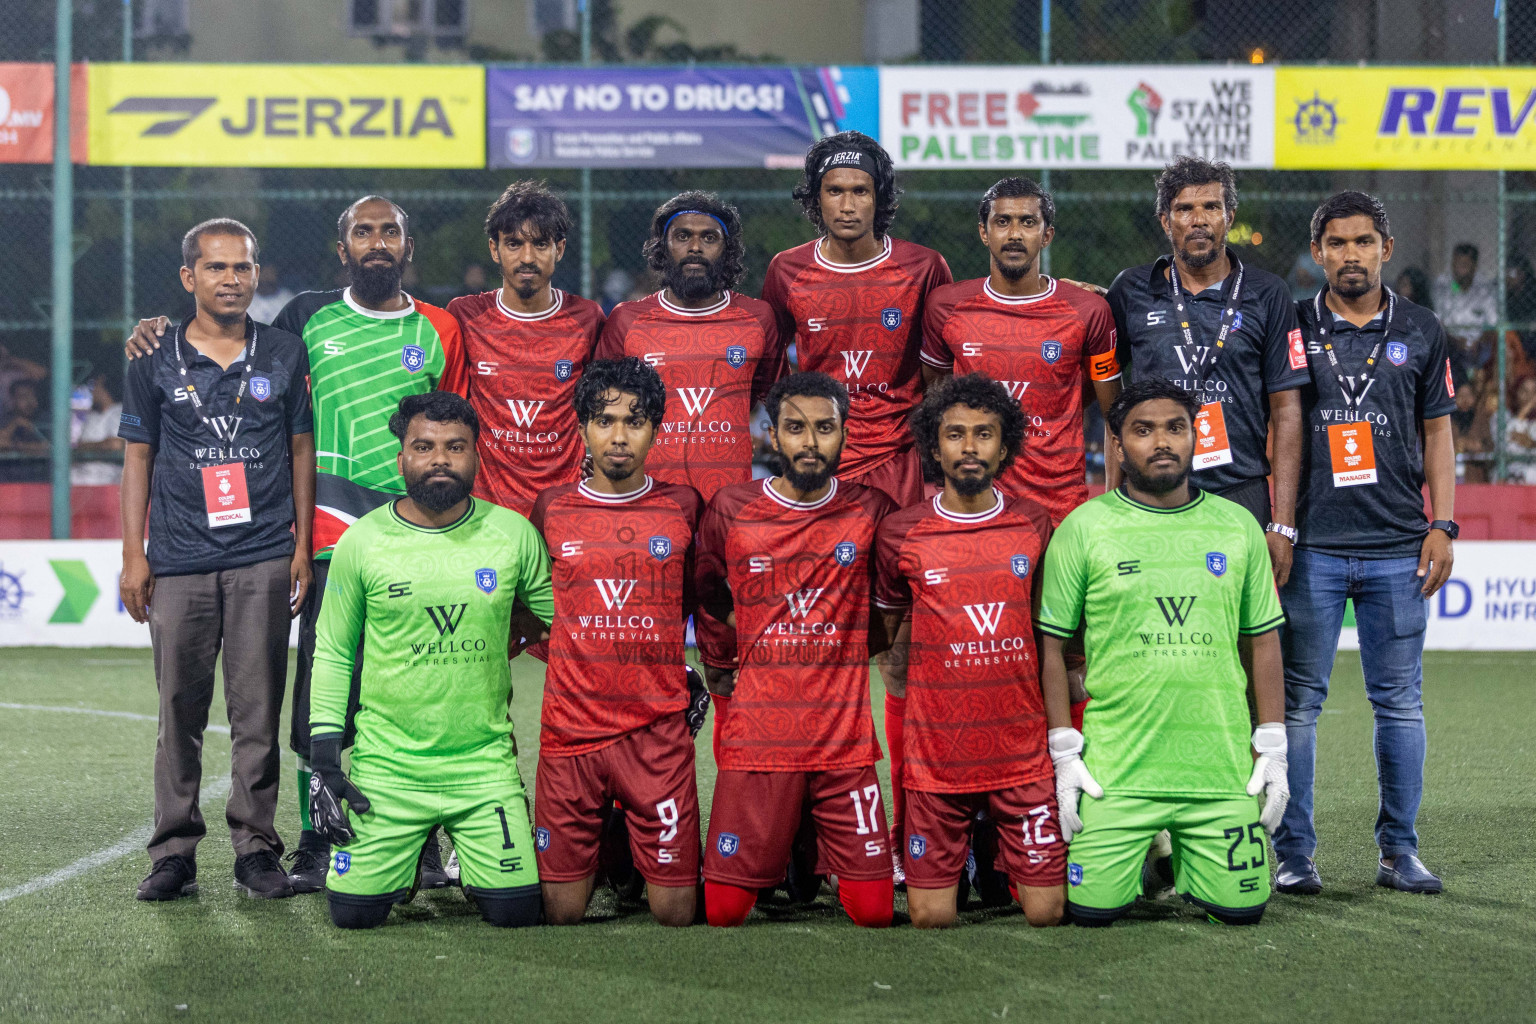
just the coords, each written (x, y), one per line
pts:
(1105, 219)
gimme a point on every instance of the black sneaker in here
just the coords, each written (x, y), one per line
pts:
(309, 863)
(430, 873)
(170, 879)
(262, 877)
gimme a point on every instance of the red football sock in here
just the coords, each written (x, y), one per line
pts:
(895, 739)
(1077, 714)
(1013, 891)
(727, 905)
(721, 707)
(869, 902)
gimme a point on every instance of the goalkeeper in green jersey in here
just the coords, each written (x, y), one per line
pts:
(1176, 589)
(432, 581)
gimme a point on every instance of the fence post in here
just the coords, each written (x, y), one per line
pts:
(1501, 413)
(63, 266)
(128, 303)
(1045, 58)
(586, 172)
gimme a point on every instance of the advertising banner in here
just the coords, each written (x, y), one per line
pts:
(1064, 116)
(26, 113)
(1407, 118)
(672, 117)
(287, 115)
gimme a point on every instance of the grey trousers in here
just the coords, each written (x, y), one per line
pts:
(244, 611)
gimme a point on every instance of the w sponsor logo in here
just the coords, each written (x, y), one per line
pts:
(524, 413)
(802, 601)
(1176, 609)
(615, 592)
(985, 617)
(1192, 357)
(855, 363)
(446, 617)
(1016, 388)
(696, 400)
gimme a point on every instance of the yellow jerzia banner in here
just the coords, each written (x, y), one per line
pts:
(287, 115)
(1408, 118)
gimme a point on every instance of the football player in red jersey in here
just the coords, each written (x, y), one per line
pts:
(717, 351)
(853, 300)
(614, 697)
(1042, 338)
(527, 343)
(783, 625)
(957, 582)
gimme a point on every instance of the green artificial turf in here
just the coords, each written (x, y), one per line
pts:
(84, 949)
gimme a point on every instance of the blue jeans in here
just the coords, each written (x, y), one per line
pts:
(1390, 613)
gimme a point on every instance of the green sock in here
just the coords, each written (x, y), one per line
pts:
(304, 777)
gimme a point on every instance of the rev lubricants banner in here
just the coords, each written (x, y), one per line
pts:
(287, 115)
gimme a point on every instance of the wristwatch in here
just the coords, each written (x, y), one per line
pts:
(1452, 530)
(1288, 532)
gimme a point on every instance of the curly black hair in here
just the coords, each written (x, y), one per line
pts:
(1190, 171)
(1350, 203)
(437, 406)
(528, 202)
(627, 376)
(806, 385)
(887, 192)
(1148, 389)
(976, 391)
(732, 258)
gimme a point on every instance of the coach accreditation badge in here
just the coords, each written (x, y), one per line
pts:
(224, 491)
(1211, 445)
(1353, 454)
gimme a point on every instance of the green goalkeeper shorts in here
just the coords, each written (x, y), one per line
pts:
(1219, 857)
(489, 826)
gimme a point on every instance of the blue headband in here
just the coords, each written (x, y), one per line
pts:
(668, 225)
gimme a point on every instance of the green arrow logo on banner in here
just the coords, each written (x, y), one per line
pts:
(80, 591)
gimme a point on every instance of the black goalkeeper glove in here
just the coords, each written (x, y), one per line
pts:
(328, 787)
(698, 701)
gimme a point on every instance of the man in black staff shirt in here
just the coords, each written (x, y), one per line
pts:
(1378, 426)
(221, 456)
(1227, 332)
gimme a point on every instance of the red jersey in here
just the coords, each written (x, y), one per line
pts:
(797, 576)
(523, 370)
(1042, 348)
(862, 324)
(717, 364)
(623, 568)
(975, 719)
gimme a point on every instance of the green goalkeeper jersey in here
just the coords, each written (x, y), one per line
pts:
(434, 609)
(1165, 594)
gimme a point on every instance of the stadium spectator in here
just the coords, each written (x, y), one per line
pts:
(1378, 412)
(221, 456)
(12, 369)
(97, 432)
(1520, 434)
(1477, 404)
(473, 282)
(1468, 307)
(271, 295)
(20, 432)
(1413, 284)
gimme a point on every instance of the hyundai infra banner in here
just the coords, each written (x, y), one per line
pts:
(672, 117)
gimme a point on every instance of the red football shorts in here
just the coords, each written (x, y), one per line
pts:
(755, 815)
(900, 477)
(649, 772)
(1030, 847)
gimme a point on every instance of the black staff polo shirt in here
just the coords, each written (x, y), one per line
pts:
(157, 411)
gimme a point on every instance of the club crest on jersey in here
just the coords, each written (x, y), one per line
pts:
(1075, 874)
(736, 355)
(1020, 565)
(917, 846)
(343, 862)
(890, 318)
(563, 368)
(1397, 352)
(541, 838)
(261, 388)
(485, 579)
(661, 547)
(413, 357)
(845, 553)
(1050, 351)
(1216, 562)
(728, 844)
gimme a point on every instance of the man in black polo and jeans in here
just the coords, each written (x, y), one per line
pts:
(221, 456)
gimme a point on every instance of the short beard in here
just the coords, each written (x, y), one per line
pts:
(1199, 261)
(615, 475)
(807, 482)
(1012, 273)
(1152, 484)
(970, 486)
(692, 287)
(438, 497)
(1353, 291)
(226, 319)
(374, 285)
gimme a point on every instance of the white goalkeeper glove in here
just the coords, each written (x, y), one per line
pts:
(1072, 778)
(1270, 774)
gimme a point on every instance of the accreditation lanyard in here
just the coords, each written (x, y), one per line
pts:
(1354, 388)
(196, 399)
(1203, 360)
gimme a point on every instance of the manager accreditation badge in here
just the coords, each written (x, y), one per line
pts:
(1211, 445)
(1353, 454)
(225, 493)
